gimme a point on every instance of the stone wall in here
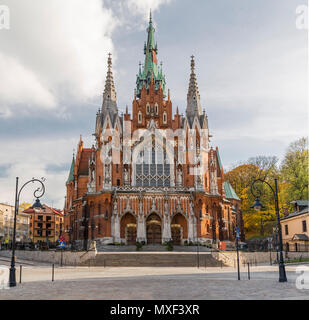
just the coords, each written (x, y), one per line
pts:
(230, 258)
(68, 258)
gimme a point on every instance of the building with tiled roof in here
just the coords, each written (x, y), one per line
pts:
(152, 176)
(46, 223)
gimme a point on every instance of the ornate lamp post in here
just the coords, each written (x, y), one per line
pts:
(38, 193)
(258, 206)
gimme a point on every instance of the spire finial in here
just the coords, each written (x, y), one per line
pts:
(150, 17)
(192, 63)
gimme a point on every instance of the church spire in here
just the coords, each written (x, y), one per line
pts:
(193, 98)
(109, 94)
(151, 70)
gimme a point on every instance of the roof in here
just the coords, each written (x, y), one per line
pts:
(83, 164)
(296, 213)
(71, 174)
(300, 236)
(220, 163)
(45, 210)
(229, 191)
(301, 203)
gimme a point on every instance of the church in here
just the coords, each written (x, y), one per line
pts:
(151, 176)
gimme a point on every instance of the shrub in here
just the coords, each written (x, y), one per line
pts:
(139, 246)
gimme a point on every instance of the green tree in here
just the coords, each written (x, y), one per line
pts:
(294, 170)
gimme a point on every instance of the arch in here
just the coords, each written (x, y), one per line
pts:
(128, 228)
(154, 229)
(179, 226)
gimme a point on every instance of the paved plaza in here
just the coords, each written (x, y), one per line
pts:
(151, 283)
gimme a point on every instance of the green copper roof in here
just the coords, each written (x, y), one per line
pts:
(150, 68)
(71, 174)
(229, 191)
(219, 159)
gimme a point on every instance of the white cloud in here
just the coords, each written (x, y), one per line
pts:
(143, 6)
(54, 51)
(30, 158)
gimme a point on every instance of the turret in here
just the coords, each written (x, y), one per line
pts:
(109, 95)
(194, 107)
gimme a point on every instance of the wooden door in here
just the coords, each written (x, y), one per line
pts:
(131, 235)
(176, 236)
(154, 234)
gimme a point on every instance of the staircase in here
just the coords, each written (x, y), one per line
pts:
(151, 248)
(153, 259)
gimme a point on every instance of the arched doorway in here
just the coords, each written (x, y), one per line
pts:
(154, 230)
(179, 228)
(128, 228)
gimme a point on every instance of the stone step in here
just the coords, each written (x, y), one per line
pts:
(151, 248)
(153, 260)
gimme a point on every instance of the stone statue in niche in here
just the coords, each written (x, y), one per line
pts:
(126, 175)
(115, 209)
(141, 211)
(179, 177)
(92, 174)
(107, 173)
(166, 211)
(191, 208)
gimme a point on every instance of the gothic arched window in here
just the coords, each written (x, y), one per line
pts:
(153, 168)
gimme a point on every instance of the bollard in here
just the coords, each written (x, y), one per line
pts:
(53, 272)
(248, 271)
(20, 272)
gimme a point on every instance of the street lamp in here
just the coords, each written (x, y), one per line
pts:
(258, 206)
(38, 193)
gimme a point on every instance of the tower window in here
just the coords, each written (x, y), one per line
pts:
(164, 118)
(157, 109)
(148, 108)
(139, 117)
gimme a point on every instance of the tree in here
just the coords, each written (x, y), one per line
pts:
(294, 170)
(241, 178)
(24, 206)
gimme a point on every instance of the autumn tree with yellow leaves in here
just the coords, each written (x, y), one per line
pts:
(292, 177)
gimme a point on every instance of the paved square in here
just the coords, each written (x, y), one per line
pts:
(152, 283)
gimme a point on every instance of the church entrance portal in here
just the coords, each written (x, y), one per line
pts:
(176, 234)
(154, 232)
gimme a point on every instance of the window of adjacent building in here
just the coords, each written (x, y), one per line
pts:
(286, 229)
(304, 226)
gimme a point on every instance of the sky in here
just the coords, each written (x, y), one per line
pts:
(251, 65)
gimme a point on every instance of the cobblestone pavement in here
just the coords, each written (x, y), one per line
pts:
(153, 283)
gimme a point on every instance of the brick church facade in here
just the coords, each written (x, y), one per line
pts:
(151, 176)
